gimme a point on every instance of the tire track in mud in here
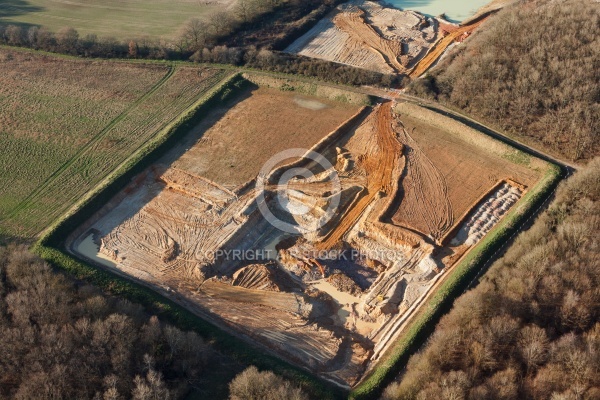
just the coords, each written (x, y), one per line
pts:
(425, 205)
(88, 146)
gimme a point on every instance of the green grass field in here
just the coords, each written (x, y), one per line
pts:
(123, 19)
(65, 124)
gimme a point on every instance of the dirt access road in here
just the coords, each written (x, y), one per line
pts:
(438, 49)
(378, 180)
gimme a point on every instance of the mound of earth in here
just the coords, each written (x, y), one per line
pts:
(263, 277)
(368, 35)
(344, 283)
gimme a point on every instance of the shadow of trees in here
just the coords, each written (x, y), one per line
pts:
(13, 8)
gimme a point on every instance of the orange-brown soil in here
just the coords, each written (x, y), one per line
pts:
(232, 150)
(445, 176)
(456, 35)
(379, 161)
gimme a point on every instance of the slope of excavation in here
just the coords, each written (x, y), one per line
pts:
(289, 302)
(380, 161)
(359, 31)
(487, 214)
(282, 330)
(368, 35)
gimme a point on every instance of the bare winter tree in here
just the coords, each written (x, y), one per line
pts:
(68, 40)
(62, 341)
(254, 385)
(196, 34)
(540, 81)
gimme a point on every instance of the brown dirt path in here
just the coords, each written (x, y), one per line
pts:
(379, 166)
(354, 25)
(425, 205)
(438, 49)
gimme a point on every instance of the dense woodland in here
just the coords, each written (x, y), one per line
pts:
(531, 70)
(254, 385)
(59, 340)
(531, 328)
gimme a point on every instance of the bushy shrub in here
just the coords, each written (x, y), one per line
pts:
(251, 384)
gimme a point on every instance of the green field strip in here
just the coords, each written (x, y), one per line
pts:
(86, 172)
(96, 168)
(29, 199)
(124, 152)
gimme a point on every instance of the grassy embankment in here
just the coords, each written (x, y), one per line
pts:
(114, 18)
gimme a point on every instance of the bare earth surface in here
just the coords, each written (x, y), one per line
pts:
(372, 36)
(412, 197)
(268, 121)
(446, 175)
(367, 35)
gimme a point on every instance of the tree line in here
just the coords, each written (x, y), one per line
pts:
(530, 329)
(61, 339)
(252, 34)
(195, 34)
(533, 71)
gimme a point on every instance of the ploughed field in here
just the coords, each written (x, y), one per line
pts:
(347, 249)
(65, 124)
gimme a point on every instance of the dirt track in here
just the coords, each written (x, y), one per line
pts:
(424, 201)
(379, 165)
(438, 49)
(359, 31)
(469, 164)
